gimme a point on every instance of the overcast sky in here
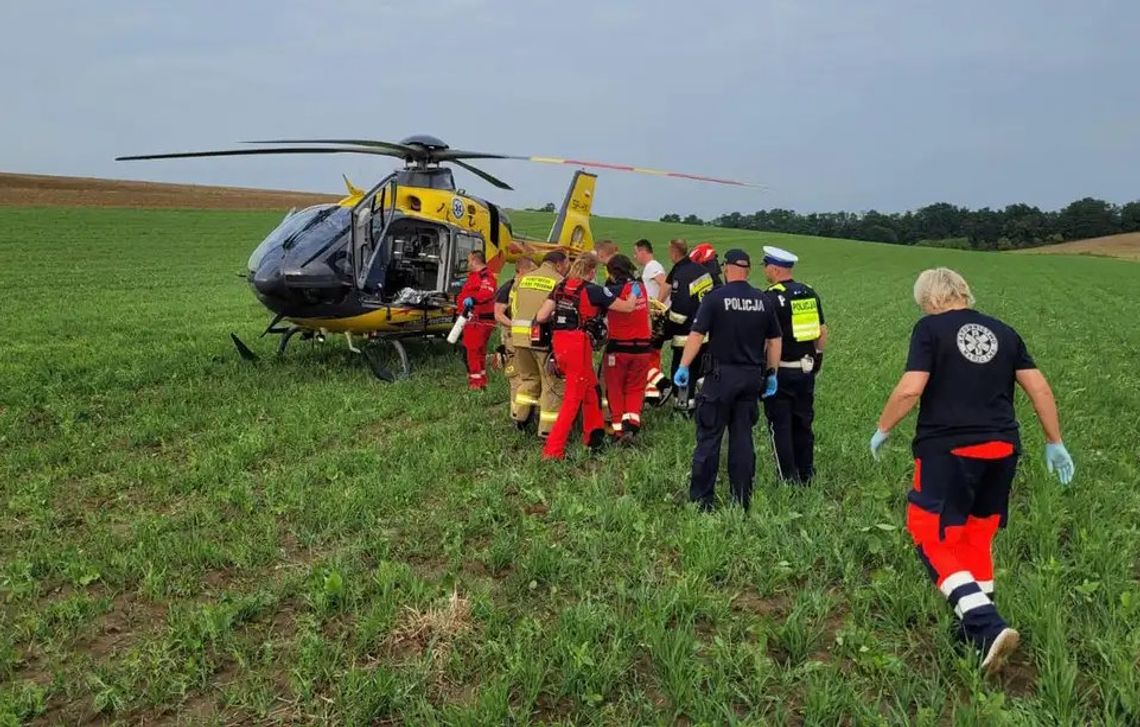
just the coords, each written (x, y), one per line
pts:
(835, 104)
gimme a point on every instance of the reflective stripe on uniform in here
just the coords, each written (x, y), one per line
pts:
(677, 317)
(969, 602)
(777, 286)
(680, 341)
(805, 319)
(520, 326)
(632, 417)
(522, 399)
(548, 416)
(700, 286)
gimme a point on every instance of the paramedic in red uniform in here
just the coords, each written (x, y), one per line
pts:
(628, 354)
(575, 308)
(477, 298)
(962, 366)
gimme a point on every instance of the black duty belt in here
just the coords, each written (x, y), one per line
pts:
(640, 345)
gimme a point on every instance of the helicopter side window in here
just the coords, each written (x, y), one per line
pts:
(465, 244)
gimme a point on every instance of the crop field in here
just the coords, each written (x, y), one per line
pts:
(189, 538)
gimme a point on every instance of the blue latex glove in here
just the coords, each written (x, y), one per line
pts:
(769, 386)
(635, 290)
(878, 439)
(1057, 459)
(681, 378)
(468, 304)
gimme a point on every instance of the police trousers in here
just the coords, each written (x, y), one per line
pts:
(538, 389)
(958, 502)
(790, 412)
(729, 399)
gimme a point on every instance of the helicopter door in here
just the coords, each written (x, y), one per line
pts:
(370, 216)
(452, 276)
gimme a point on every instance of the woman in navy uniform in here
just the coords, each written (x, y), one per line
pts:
(744, 348)
(791, 411)
(962, 365)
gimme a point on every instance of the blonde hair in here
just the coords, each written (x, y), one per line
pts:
(584, 267)
(940, 289)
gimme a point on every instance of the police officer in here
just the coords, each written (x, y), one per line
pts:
(688, 283)
(791, 410)
(538, 388)
(744, 348)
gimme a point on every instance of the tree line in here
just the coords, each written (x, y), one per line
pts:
(946, 225)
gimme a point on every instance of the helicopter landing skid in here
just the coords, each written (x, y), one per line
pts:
(379, 362)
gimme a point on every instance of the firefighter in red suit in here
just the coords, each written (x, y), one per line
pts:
(628, 353)
(961, 367)
(574, 309)
(477, 297)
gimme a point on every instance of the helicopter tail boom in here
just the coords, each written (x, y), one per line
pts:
(572, 226)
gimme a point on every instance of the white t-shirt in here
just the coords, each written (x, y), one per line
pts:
(651, 271)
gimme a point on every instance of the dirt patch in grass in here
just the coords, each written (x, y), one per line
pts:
(776, 605)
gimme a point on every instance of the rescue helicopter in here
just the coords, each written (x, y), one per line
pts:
(383, 265)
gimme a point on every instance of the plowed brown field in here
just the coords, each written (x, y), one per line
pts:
(35, 190)
(1125, 247)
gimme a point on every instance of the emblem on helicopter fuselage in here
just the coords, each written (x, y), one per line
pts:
(457, 208)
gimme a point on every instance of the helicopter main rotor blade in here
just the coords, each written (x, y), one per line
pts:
(402, 148)
(254, 152)
(639, 170)
(482, 175)
(447, 155)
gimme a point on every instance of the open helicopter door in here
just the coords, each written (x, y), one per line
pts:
(369, 218)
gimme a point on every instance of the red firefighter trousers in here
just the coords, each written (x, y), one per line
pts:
(475, 336)
(575, 359)
(625, 375)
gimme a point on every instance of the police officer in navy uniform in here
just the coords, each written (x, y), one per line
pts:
(791, 410)
(689, 282)
(744, 348)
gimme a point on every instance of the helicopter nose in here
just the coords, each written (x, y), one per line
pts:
(268, 280)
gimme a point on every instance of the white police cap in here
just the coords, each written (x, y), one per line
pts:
(779, 256)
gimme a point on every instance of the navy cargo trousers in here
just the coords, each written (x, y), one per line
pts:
(729, 399)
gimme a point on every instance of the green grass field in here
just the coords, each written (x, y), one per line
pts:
(190, 538)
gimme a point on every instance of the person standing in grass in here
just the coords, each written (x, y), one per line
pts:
(962, 366)
(503, 310)
(744, 347)
(477, 296)
(653, 277)
(573, 308)
(627, 358)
